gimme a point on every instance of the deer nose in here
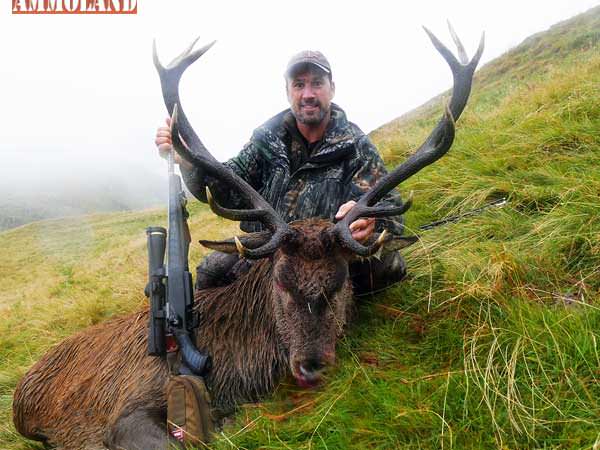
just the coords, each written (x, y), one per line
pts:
(311, 366)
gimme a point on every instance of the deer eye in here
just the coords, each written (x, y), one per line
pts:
(280, 284)
(286, 279)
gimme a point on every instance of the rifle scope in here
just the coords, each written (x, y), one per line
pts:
(155, 290)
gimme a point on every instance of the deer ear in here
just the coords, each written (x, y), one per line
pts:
(251, 240)
(393, 242)
(399, 242)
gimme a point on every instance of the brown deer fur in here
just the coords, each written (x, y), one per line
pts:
(256, 330)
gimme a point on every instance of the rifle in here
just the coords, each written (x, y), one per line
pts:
(172, 321)
(406, 241)
(497, 203)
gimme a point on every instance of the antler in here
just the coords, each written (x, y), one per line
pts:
(188, 145)
(435, 146)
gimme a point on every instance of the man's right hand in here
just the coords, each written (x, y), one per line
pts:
(362, 228)
(164, 144)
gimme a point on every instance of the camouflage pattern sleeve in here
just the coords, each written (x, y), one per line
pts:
(371, 169)
(194, 181)
(245, 165)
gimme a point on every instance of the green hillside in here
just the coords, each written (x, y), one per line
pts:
(493, 341)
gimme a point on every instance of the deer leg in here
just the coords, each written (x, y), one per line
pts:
(142, 429)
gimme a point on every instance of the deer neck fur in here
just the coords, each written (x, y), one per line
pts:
(237, 328)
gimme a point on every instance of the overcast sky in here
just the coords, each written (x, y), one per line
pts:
(81, 90)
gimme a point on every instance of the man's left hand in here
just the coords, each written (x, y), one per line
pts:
(362, 228)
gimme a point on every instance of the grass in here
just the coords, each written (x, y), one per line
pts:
(491, 342)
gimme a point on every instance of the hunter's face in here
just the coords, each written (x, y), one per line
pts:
(310, 93)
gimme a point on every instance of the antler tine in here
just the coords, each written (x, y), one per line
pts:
(181, 56)
(363, 250)
(252, 240)
(266, 249)
(479, 52)
(435, 146)
(279, 228)
(188, 51)
(169, 81)
(235, 214)
(462, 54)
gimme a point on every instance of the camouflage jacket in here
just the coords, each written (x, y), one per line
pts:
(301, 180)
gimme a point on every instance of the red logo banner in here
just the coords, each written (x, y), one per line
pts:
(74, 6)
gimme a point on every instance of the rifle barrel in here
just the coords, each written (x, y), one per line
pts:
(497, 203)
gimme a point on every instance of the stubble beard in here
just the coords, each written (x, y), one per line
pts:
(312, 119)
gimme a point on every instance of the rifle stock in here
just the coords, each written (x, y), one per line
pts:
(181, 319)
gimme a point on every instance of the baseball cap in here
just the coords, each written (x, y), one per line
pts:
(314, 57)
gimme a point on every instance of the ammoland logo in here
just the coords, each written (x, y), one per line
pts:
(74, 6)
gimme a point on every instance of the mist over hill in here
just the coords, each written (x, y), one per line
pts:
(45, 188)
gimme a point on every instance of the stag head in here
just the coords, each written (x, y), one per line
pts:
(312, 297)
(311, 292)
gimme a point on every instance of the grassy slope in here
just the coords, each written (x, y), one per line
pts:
(59, 276)
(493, 339)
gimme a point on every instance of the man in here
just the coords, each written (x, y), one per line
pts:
(307, 161)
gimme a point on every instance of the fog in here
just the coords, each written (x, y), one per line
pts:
(48, 185)
(81, 99)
